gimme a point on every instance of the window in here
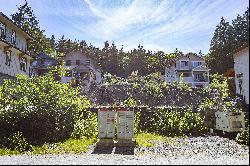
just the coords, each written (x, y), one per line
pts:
(23, 64)
(8, 58)
(184, 63)
(195, 64)
(13, 37)
(68, 62)
(77, 62)
(199, 77)
(2, 30)
(87, 62)
(240, 80)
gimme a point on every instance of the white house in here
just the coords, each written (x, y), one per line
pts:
(81, 68)
(241, 68)
(14, 56)
(191, 67)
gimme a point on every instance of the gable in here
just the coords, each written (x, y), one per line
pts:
(194, 57)
(191, 57)
(75, 56)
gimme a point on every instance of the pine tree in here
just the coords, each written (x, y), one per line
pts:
(220, 47)
(26, 19)
(225, 40)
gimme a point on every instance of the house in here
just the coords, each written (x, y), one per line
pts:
(191, 67)
(81, 70)
(14, 56)
(42, 64)
(241, 69)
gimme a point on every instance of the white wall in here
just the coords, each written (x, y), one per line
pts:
(241, 65)
(21, 42)
(14, 67)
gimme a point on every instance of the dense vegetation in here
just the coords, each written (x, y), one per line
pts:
(227, 37)
(42, 110)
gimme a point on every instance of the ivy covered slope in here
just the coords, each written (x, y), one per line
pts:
(153, 91)
(43, 110)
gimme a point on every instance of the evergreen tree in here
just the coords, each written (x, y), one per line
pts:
(220, 47)
(225, 40)
(26, 19)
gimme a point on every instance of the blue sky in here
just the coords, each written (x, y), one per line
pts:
(156, 24)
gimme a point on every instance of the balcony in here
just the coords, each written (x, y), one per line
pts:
(201, 80)
(181, 65)
(9, 44)
(187, 79)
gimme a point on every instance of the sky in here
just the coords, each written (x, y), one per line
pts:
(157, 25)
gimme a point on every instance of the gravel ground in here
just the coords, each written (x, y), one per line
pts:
(210, 150)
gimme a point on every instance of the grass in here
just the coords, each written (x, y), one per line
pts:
(149, 139)
(4, 151)
(70, 146)
(78, 146)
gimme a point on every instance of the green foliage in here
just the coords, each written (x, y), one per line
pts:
(70, 146)
(208, 103)
(26, 19)
(172, 122)
(243, 136)
(227, 37)
(148, 90)
(220, 98)
(15, 142)
(149, 139)
(130, 102)
(43, 109)
(85, 126)
(137, 122)
(182, 85)
(5, 151)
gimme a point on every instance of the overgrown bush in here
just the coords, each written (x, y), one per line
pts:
(169, 121)
(16, 142)
(85, 126)
(41, 108)
(148, 90)
(243, 136)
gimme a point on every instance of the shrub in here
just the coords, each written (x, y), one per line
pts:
(149, 139)
(172, 122)
(15, 142)
(85, 126)
(243, 136)
(42, 108)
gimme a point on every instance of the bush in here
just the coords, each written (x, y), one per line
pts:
(85, 126)
(172, 122)
(243, 136)
(15, 142)
(41, 108)
(149, 139)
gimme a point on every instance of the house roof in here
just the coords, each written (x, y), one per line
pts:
(201, 68)
(192, 57)
(4, 17)
(46, 63)
(44, 56)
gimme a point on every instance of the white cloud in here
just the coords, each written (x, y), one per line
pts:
(156, 24)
